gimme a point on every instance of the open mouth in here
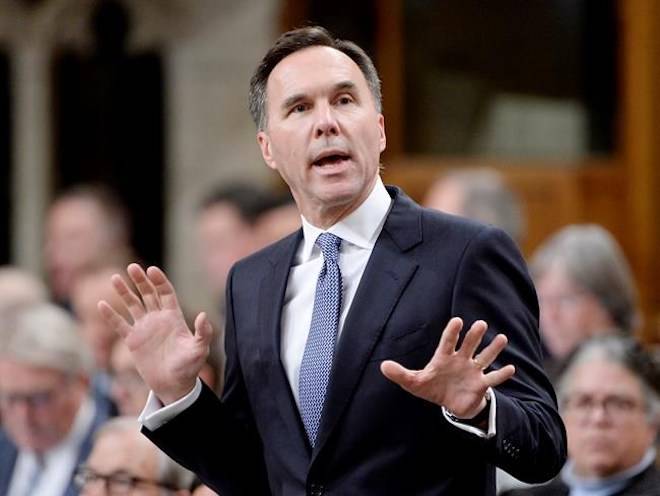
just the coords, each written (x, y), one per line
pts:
(332, 159)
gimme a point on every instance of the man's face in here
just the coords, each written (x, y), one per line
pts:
(75, 241)
(223, 238)
(323, 133)
(86, 294)
(607, 425)
(38, 405)
(128, 390)
(568, 313)
(124, 455)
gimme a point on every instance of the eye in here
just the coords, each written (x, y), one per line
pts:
(344, 100)
(299, 108)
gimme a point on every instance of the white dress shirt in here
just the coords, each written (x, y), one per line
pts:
(57, 464)
(359, 232)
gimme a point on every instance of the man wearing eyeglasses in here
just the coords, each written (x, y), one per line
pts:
(610, 402)
(125, 463)
(48, 415)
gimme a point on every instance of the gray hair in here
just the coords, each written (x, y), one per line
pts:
(487, 198)
(293, 41)
(594, 260)
(19, 287)
(44, 335)
(170, 473)
(629, 354)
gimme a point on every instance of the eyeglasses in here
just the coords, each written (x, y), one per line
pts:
(614, 406)
(119, 483)
(34, 400)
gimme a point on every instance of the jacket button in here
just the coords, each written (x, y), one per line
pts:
(316, 490)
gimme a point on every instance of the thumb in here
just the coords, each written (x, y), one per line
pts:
(203, 329)
(397, 373)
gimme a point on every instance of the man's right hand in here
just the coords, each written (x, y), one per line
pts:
(167, 354)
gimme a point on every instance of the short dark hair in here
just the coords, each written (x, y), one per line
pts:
(298, 39)
(250, 201)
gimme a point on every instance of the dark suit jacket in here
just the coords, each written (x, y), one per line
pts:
(645, 484)
(375, 438)
(9, 454)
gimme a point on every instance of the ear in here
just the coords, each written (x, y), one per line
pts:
(383, 138)
(264, 144)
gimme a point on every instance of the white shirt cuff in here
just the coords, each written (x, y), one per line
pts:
(472, 429)
(155, 414)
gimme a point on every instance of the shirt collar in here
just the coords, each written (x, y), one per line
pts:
(360, 228)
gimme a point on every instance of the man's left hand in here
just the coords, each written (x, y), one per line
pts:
(455, 378)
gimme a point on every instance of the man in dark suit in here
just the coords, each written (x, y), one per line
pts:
(48, 413)
(336, 383)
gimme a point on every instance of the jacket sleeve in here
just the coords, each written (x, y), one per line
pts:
(492, 284)
(217, 439)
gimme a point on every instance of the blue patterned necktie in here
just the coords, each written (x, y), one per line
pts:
(320, 346)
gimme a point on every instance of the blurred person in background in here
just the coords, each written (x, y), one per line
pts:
(278, 220)
(87, 227)
(226, 231)
(585, 287)
(128, 390)
(124, 462)
(609, 397)
(19, 287)
(88, 289)
(479, 194)
(48, 415)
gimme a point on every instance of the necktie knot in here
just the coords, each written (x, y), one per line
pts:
(329, 244)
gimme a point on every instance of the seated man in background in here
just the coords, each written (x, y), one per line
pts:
(478, 194)
(610, 402)
(88, 289)
(19, 287)
(87, 227)
(585, 288)
(226, 230)
(48, 416)
(124, 462)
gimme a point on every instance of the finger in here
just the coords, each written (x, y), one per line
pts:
(497, 377)
(472, 339)
(130, 299)
(114, 321)
(490, 353)
(398, 374)
(144, 286)
(164, 288)
(203, 329)
(449, 337)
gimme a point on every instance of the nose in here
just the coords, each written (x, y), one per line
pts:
(326, 122)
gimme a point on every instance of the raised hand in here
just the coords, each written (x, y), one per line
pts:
(455, 378)
(167, 354)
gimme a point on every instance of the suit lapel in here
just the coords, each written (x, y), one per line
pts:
(271, 302)
(384, 279)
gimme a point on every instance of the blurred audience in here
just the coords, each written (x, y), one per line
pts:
(88, 290)
(18, 287)
(226, 230)
(585, 287)
(124, 462)
(48, 415)
(279, 219)
(609, 396)
(87, 228)
(480, 194)
(128, 390)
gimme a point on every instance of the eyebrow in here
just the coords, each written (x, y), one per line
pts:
(294, 99)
